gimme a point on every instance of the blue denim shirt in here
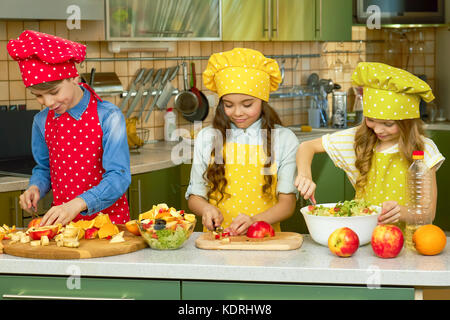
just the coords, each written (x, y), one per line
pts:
(116, 156)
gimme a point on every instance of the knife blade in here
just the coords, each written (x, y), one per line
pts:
(131, 89)
(161, 85)
(149, 92)
(138, 96)
(164, 97)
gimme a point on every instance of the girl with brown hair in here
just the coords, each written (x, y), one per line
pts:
(244, 164)
(376, 155)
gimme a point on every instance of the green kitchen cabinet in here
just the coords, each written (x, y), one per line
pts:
(73, 287)
(211, 290)
(10, 213)
(293, 20)
(286, 20)
(152, 188)
(278, 20)
(328, 178)
(442, 140)
(185, 176)
(333, 20)
(244, 20)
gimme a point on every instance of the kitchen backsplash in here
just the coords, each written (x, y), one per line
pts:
(413, 50)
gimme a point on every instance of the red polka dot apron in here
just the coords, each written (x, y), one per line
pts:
(75, 157)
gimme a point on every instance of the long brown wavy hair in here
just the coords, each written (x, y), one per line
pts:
(410, 139)
(215, 173)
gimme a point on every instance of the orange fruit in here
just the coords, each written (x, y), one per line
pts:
(108, 229)
(429, 240)
(133, 227)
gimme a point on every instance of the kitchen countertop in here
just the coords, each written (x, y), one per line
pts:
(311, 263)
(151, 157)
(157, 156)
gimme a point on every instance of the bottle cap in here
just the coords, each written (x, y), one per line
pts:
(417, 155)
(169, 109)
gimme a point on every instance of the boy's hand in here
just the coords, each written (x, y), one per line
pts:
(211, 217)
(306, 187)
(390, 212)
(29, 199)
(240, 225)
(64, 213)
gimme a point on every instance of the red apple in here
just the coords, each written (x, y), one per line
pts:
(49, 231)
(387, 240)
(260, 229)
(343, 242)
(35, 223)
(91, 233)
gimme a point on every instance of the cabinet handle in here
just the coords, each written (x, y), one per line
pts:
(277, 15)
(139, 196)
(265, 20)
(34, 297)
(320, 20)
(269, 14)
(182, 33)
(16, 207)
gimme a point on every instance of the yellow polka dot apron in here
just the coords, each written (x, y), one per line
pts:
(387, 180)
(244, 171)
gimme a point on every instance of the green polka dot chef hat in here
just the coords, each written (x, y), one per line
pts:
(390, 93)
(244, 71)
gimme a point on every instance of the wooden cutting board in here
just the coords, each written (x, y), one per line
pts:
(92, 248)
(281, 241)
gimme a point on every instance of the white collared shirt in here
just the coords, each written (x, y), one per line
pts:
(285, 144)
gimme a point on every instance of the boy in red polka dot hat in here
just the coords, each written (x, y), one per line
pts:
(79, 141)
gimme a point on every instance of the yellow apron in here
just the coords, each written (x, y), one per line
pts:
(244, 166)
(387, 180)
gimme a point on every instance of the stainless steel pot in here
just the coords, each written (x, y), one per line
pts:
(186, 101)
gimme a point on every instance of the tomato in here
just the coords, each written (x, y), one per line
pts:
(311, 207)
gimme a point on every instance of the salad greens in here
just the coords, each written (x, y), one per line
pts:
(168, 239)
(348, 208)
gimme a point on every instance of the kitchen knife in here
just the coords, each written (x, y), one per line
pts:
(149, 91)
(131, 89)
(138, 96)
(168, 90)
(161, 85)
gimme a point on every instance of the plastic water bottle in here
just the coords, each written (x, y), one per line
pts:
(170, 125)
(419, 204)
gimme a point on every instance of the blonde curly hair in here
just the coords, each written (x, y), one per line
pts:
(410, 139)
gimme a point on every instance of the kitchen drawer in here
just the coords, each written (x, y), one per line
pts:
(209, 290)
(18, 287)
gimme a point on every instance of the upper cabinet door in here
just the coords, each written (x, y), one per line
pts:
(333, 20)
(293, 20)
(245, 20)
(163, 19)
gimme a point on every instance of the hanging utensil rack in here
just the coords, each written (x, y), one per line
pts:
(185, 58)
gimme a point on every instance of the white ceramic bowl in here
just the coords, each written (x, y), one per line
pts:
(320, 227)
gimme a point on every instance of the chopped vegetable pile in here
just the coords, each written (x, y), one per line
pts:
(348, 208)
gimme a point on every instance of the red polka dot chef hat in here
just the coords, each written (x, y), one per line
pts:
(43, 57)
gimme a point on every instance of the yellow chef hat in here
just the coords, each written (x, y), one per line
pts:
(390, 93)
(242, 70)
